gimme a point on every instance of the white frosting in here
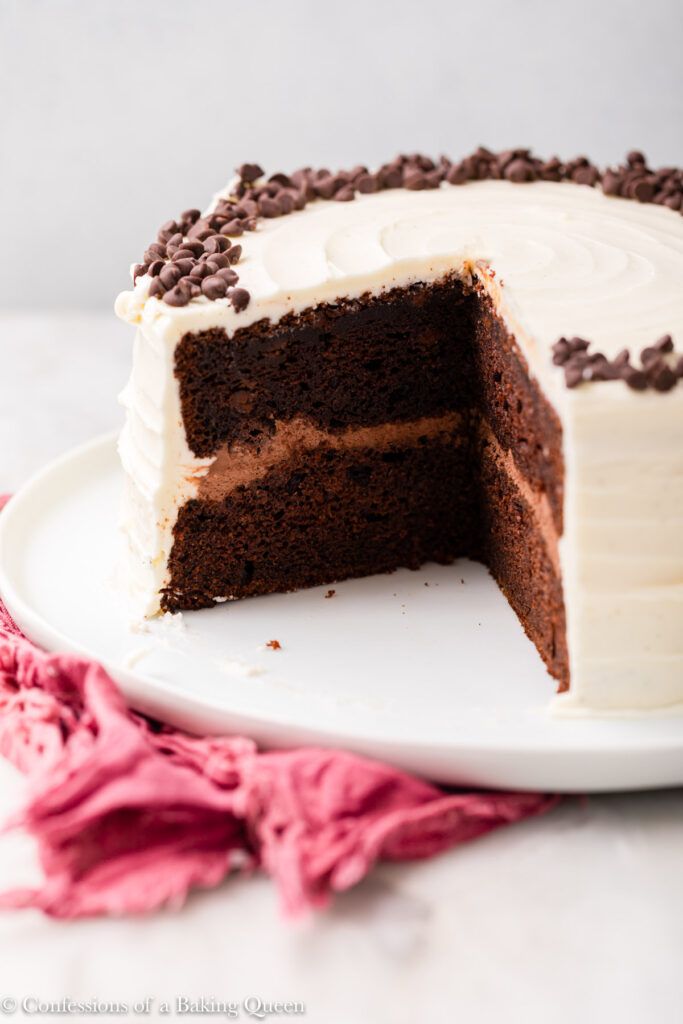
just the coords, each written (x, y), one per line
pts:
(567, 260)
(622, 549)
(161, 471)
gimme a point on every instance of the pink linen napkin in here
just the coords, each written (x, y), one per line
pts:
(129, 814)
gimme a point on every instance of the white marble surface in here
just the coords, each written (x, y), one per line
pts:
(574, 917)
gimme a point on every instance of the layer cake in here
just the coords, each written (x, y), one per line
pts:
(338, 375)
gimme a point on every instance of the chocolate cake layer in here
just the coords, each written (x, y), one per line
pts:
(518, 543)
(400, 356)
(329, 514)
(362, 437)
(511, 403)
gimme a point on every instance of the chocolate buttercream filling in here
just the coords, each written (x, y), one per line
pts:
(241, 465)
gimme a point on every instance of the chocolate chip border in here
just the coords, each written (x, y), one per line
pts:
(197, 255)
(661, 368)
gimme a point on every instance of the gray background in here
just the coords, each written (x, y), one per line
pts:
(116, 114)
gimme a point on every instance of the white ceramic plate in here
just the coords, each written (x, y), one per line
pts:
(429, 670)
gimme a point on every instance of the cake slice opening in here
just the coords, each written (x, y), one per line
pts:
(360, 437)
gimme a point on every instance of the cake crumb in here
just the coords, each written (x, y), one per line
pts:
(237, 667)
(274, 645)
(330, 593)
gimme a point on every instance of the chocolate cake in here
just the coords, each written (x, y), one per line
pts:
(339, 375)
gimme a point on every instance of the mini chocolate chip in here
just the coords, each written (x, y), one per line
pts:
(635, 379)
(665, 344)
(662, 377)
(614, 371)
(280, 179)
(201, 231)
(457, 174)
(154, 252)
(156, 288)
(168, 228)
(611, 183)
(301, 177)
(217, 260)
(286, 201)
(679, 367)
(178, 296)
(174, 242)
(250, 172)
(603, 370)
(183, 254)
(300, 199)
(649, 355)
(551, 170)
(622, 358)
(184, 266)
(233, 227)
(139, 270)
(214, 287)
(194, 246)
(573, 375)
(424, 162)
(170, 275)
(579, 344)
(199, 272)
(561, 352)
(234, 253)
(269, 207)
(224, 206)
(228, 275)
(414, 180)
(391, 178)
(585, 175)
(247, 208)
(190, 215)
(434, 178)
(507, 156)
(155, 268)
(519, 170)
(217, 243)
(239, 298)
(643, 191)
(344, 194)
(270, 188)
(325, 187)
(367, 183)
